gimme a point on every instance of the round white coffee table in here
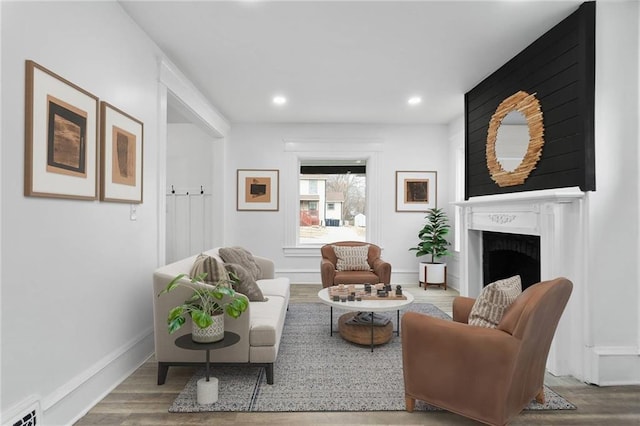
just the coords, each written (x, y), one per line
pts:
(367, 305)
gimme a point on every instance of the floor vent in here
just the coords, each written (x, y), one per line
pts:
(29, 419)
(28, 415)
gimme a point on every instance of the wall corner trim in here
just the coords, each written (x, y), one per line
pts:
(613, 365)
(192, 98)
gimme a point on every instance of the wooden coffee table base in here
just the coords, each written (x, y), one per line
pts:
(361, 333)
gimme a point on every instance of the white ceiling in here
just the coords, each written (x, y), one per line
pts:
(342, 62)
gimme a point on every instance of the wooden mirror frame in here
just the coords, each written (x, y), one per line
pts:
(529, 106)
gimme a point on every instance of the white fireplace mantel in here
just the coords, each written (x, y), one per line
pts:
(516, 213)
(559, 195)
(558, 217)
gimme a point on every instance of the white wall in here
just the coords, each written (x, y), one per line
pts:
(419, 148)
(613, 282)
(190, 171)
(76, 293)
(189, 157)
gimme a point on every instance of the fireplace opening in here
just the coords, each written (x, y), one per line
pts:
(506, 255)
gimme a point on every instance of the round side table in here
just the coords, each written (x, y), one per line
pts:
(207, 392)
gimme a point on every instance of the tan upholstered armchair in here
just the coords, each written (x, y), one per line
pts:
(377, 270)
(487, 374)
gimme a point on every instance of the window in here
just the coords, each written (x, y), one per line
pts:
(332, 201)
(313, 187)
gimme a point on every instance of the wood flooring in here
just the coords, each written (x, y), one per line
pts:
(139, 401)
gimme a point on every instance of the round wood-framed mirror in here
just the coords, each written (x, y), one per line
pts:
(529, 106)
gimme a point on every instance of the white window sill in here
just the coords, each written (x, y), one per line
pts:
(311, 250)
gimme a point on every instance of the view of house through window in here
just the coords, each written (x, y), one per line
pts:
(332, 201)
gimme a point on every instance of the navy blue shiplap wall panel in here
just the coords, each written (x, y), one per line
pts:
(559, 67)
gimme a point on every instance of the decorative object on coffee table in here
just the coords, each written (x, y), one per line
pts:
(381, 293)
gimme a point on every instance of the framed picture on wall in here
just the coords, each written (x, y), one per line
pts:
(258, 190)
(61, 137)
(120, 156)
(416, 191)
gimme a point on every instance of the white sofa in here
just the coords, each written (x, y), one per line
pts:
(259, 327)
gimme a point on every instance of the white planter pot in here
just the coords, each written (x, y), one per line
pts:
(213, 333)
(436, 273)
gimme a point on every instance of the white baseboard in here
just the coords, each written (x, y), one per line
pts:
(74, 399)
(613, 365)
(301, 276)
(298, 276)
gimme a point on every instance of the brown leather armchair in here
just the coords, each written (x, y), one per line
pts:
(485, 374)
(380, 270)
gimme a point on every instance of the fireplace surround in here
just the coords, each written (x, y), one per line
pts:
(557, 217)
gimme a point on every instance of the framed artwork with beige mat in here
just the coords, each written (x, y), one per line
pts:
(258, 190)
(61, 137)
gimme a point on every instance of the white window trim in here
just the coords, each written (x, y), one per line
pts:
(299, 150)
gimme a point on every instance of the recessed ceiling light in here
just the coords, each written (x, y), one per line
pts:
(414, 100)
(279, 100)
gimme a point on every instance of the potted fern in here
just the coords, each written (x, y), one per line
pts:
(206, 307)
(433, 243)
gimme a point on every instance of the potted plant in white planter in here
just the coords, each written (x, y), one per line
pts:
(433, 242)
(205, 306)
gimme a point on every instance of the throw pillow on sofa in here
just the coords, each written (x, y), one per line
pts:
(240, 256)
(352, 258)
(214, 269)
(489, 307)
(244, 283)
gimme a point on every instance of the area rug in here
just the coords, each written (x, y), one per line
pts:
(318, 372)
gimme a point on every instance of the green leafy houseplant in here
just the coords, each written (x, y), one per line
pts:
(204, 303)
(432, 235)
